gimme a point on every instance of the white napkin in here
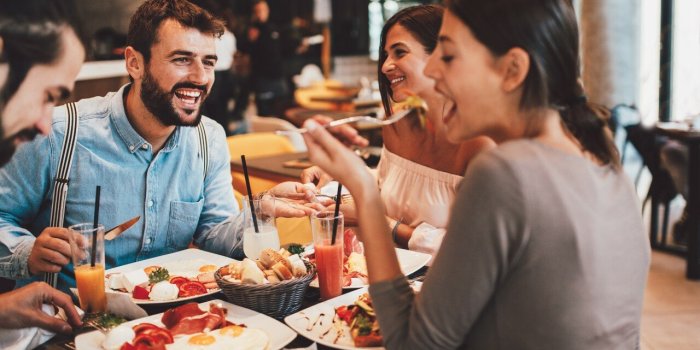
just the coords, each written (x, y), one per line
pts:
(29, 338)
(121, 305)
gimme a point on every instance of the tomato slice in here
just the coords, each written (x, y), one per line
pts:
(191, 288)
(148, 341)
(160, 334)
(142, 327)
(140, 293)
(178, 280)
(127, 346)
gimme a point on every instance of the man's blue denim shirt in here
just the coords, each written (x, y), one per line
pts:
(177, 204)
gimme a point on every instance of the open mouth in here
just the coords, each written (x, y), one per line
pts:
(189, 97)
(397, 80)
(448, 111)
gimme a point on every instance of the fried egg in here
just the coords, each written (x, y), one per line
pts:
(231, 337)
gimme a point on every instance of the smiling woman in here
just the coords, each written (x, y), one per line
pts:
(545, 246)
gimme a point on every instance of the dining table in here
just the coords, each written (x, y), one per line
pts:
(689, 135)
(311, 297)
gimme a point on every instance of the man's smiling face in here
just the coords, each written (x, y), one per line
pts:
(179, 74)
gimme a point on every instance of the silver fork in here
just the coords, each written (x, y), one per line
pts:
(362, 118)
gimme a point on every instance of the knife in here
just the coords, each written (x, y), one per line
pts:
(114, 232)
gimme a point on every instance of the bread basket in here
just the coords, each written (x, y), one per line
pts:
(276, 300)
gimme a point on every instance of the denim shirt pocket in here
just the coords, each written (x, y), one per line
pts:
(184, 217)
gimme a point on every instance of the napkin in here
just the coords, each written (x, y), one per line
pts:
(29, 338)
(121, 305)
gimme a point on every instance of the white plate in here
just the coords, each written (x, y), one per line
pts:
(300, 321)
(278, 334)
(174, 258)
(409, 261)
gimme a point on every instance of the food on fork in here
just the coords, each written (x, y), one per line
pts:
(412, 101)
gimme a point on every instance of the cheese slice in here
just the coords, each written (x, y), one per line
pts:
(133, 278)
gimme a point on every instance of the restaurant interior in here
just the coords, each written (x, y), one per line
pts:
(639, 59)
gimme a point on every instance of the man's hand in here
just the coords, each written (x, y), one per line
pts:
(51, 251)
(345, 133)
(21, 308)
(315, 175)
(294, 191)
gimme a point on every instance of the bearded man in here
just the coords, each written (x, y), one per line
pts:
(144, 146)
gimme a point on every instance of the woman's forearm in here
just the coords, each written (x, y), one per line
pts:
(382, 263)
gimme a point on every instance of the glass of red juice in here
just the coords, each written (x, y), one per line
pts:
(329, 254)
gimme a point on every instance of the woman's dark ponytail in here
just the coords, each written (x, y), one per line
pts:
(588, 122)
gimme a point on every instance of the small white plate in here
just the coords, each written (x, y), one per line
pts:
(279, 335)
(194, 255)
(302, 320)
(409, 261)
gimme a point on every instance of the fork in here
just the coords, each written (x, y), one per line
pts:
(362, 118)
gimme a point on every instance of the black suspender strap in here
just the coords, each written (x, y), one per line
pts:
(60, 188)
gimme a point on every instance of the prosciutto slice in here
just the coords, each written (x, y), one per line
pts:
(190, 319)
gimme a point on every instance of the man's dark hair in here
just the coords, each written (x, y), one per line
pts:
(31, 32)
(143, 29)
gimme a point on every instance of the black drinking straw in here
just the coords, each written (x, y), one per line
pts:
(94, 231)
(250, 194)
(335, 215)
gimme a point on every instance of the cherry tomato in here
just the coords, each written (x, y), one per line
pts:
(178, 280)
(191, 288)
(140, 293)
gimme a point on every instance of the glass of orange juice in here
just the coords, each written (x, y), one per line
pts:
(88, 251)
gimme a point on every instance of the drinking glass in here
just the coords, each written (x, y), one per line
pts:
(88, 255)
(329, 254)
(266, 235)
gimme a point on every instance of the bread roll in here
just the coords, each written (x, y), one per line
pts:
(298, 266)
(282, 271)
(235, 268)
(251, 273)
(261, 266)
(273, 279)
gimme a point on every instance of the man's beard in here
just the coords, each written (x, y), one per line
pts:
(9, 145)
(159, 102)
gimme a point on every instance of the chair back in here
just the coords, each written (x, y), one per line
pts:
(272, 124)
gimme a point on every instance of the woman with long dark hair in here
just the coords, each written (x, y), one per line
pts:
(420, 169)
(545, 246)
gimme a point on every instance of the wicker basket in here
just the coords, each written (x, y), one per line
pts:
(276, 300)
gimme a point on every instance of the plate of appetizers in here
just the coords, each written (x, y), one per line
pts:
(344, 322)
(355, 266)
(209, 325)
(180, 276)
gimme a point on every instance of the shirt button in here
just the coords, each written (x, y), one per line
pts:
(131, 148)
(150, 204)
(148, 240)
(144, 146)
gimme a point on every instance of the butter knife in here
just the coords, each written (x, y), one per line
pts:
(114, 232)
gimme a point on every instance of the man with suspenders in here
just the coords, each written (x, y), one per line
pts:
(146, 145)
